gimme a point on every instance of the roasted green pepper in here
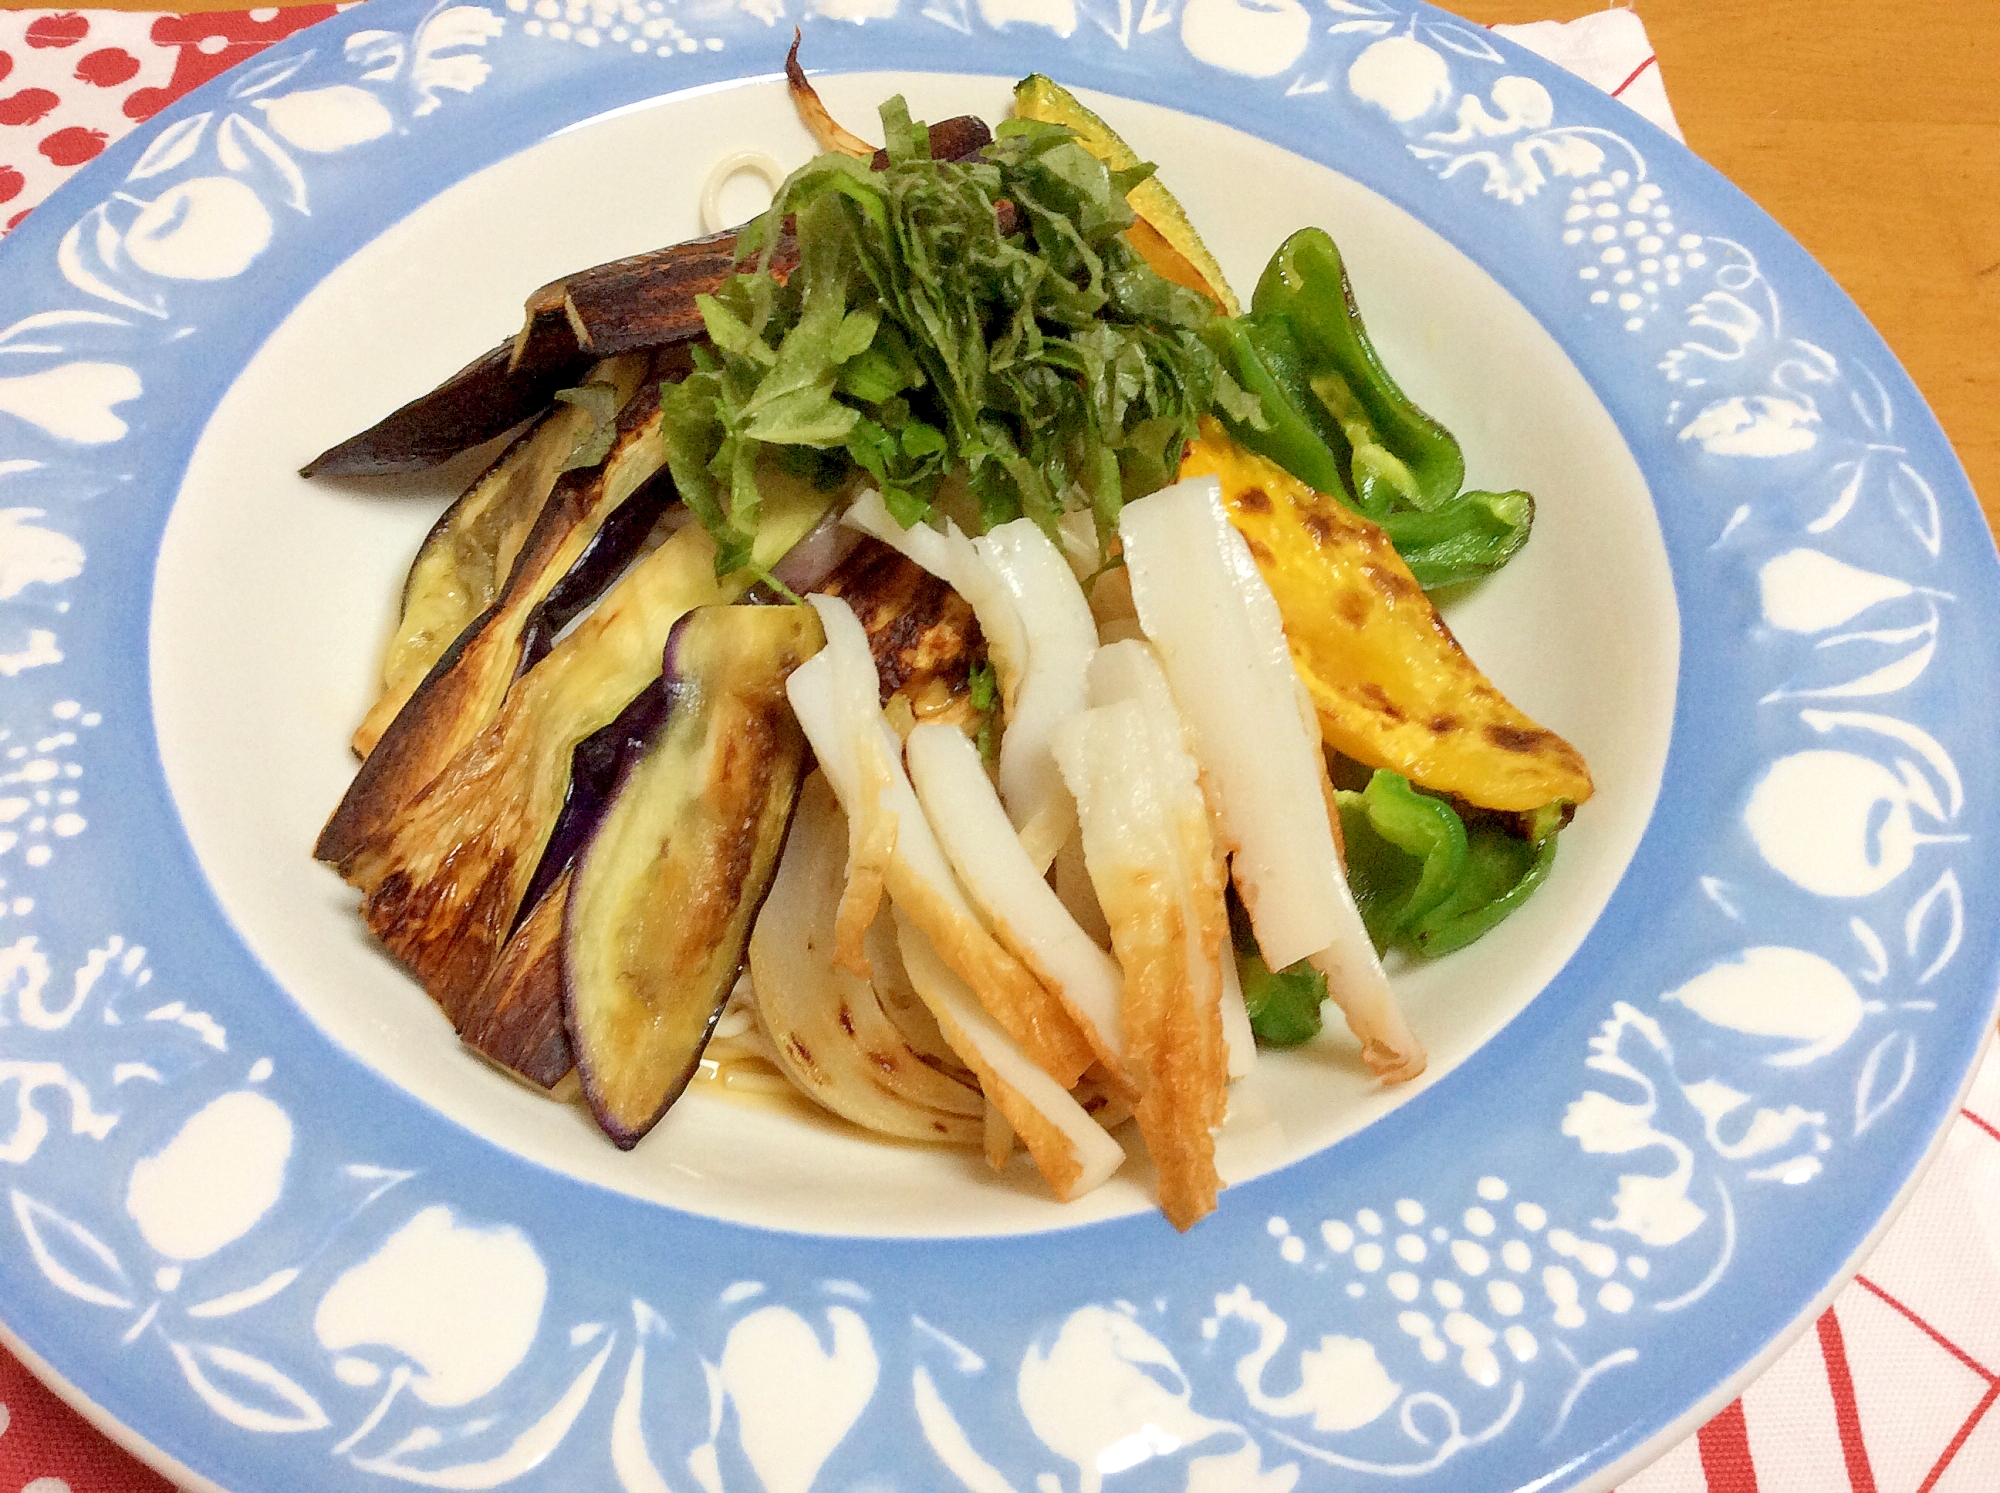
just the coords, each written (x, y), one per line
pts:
(1501, 872)
(1425, 880)
(1472, 535)
(1264, 358)
(1400, 456)
(1283, 1004)
(1335, 419)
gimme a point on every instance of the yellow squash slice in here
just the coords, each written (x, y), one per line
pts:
(1389, 682)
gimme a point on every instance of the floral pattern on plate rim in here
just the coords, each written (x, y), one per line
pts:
(347, 1305)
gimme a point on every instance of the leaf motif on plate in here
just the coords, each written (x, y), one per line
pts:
(238, 133)
(172, 147)
(1459, 39)
(262, 76)
(246, 1391)
(1886, 1074)
(231, 1302)
(530, 1449)
(1916, 503)
(72, 1259)
(1935, 925)
(43, 320)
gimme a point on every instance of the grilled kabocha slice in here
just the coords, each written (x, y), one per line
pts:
(446, 875)
(1389, 682)
(1164, 237)
(573, 536)
(662, 898)
(470, 551)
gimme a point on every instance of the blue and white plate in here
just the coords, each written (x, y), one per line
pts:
(266, 1216)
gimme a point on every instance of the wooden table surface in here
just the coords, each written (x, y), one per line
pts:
(1871, 131)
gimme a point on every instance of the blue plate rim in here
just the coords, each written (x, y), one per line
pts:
(1568, 97)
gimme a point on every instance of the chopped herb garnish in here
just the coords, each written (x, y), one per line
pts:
(600, 401)
(984, 688)
(971, 333)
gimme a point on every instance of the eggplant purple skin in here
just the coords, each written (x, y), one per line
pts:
(383, 783)
(776, 745)
(486, 397)
(517, 1018)
(645, 301)
(610, 550)
(597, 766)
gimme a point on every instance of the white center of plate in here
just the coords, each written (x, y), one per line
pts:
(274, 594)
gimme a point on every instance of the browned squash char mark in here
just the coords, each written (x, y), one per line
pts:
(1391, 685)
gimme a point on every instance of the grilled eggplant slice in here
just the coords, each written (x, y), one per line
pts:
(516, 1019)
(642, 303)
(661, 900)
(649, 300)
(493, 393)
(646, 301)
(470, 552)
(925, 640)
(464, 690)
(445, 877)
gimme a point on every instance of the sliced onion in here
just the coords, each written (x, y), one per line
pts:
(810, 561)
(835, 697)
(1009, 890)
(830, 1031)
(1204, 605)
(1070, 1149)
(1061, 636)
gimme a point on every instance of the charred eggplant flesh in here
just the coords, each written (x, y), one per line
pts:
(662, 898)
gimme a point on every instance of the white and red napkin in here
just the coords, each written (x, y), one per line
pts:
(73, 81)
(1894, 1388)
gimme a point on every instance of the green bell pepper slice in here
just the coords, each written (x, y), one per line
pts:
(1284, 1005)
(1263, 356)
(1410, 849)
(1422, 878)
(1501, 873)
(1335, 418)
(1473, 535)
(1405, 450)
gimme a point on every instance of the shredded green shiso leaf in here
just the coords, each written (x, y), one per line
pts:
(599, 400)
(1036, 370)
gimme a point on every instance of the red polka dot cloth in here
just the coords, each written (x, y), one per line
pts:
(1894, 1389)
(73, 81)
